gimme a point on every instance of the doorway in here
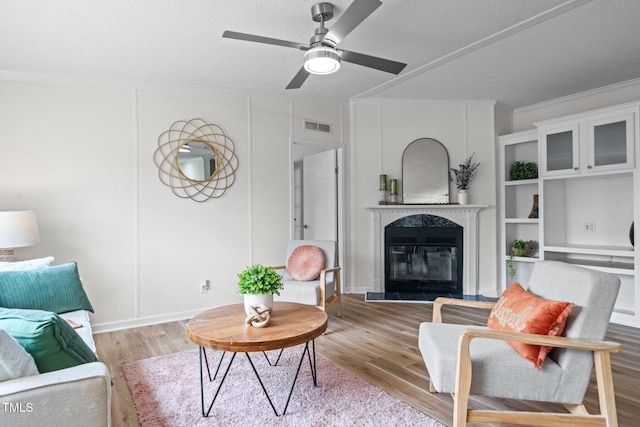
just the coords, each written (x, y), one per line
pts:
(317, 187)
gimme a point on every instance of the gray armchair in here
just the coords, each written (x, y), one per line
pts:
(460, 363)
(324, 292)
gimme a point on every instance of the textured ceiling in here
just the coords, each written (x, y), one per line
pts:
(518, 52)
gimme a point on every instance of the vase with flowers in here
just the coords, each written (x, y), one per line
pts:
(463, 176)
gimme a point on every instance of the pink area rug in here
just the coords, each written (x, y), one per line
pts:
(166, 392)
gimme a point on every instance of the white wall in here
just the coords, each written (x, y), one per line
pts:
(381, 132)
(68, 152)
(82, 158)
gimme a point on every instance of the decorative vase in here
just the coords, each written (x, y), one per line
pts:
(257, 299)
(384, 197)
(393, 192)
(534, 208)
(463, 197)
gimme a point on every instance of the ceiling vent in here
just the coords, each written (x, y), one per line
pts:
(317, 127)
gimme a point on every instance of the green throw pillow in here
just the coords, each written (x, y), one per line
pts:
(57, 288)
(48, 338)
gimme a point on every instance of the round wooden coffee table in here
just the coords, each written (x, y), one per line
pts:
(225, 329)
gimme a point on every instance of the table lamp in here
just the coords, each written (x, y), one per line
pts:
(17, 230)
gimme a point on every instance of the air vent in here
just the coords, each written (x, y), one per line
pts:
(317, 127)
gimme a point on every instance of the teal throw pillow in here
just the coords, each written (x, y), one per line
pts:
(57, 288)
(47, 337)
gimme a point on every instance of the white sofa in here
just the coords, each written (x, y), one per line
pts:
(76, 396)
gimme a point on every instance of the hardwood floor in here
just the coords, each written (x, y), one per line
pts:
(378, 342)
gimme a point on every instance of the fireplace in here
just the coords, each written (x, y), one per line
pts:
(454, 250)
(424, 257)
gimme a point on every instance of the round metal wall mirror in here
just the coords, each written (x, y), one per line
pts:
(196, 160)
(425, 173)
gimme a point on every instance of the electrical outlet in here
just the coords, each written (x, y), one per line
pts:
(589, 227)
(204, 286)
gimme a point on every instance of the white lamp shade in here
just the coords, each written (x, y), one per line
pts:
(321, 60)
(18, 229)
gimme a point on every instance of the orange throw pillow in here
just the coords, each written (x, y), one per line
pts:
(520, 311)
(305, 263)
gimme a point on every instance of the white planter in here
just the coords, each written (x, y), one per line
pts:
(257, 299)
(463, 197)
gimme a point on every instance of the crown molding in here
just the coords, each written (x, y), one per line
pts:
(406, 101)
(577, 96)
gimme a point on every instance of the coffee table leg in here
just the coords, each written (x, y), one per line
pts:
(306, 351)
(262, 385)
(203, 354)
(312, 364)
(206, 361)
(277, 360)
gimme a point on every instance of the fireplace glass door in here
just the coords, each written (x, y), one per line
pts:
(434, 264)
(424, 260)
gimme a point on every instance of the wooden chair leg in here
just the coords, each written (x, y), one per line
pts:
(460, 406)
(338, 293)
(463, 383)
(606, 395)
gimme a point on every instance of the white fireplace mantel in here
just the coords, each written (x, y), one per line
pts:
(464, 215)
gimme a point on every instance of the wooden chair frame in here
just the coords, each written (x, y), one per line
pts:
(327, 304)
(577, 416)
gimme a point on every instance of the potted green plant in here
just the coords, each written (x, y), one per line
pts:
(463, 176)
(258, 283)
(523, 170)
(520, 248)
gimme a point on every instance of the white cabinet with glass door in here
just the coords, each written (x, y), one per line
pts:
(610, 140)
(588, 143)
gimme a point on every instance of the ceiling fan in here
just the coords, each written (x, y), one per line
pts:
(322, 55)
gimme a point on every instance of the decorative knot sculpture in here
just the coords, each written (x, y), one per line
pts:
(260, 316)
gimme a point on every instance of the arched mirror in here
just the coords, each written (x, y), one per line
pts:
(425, 173)
(197, 160)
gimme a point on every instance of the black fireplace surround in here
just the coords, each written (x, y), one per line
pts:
(423, 258)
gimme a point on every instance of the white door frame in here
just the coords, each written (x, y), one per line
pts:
(318, 147)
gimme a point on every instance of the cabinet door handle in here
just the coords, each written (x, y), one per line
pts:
(589, 167)
(575, 168)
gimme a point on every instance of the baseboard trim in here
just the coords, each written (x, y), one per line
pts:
(99, 328)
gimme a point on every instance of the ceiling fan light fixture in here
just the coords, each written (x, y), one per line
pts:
(321, 60)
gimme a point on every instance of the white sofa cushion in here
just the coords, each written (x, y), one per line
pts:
(15, 362)
(81, 317)
(491, 360)
(29, 264)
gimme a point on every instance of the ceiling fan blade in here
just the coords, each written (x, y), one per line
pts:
(265, 40)
(357, 12)
(298, 79)
(373, 62)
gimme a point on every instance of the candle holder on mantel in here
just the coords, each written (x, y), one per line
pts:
(393, 192)
(383, 190)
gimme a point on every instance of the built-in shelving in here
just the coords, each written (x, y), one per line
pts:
(521, 220)
(521, 182)
(586, 198)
